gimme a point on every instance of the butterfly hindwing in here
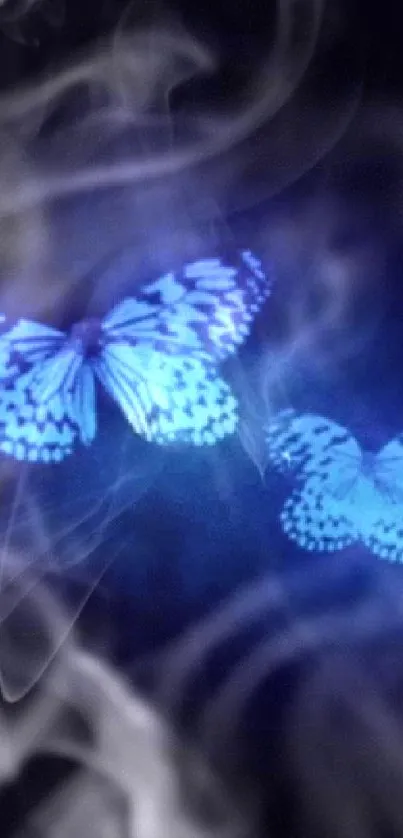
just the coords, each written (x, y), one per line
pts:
(167, 398)
(41, 410)
(33, 431)
(122, 370)
(201, 410)
(385, 537)
(316, 521)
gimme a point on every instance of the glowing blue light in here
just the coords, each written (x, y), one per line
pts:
(343, 494)
(156, 355)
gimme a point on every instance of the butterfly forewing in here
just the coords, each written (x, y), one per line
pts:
(138, 323)
(207, 307)
(388, 472)
(309, 445)
(27, 342)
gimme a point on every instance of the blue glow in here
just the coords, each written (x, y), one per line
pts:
(155, 355)
(343, 494)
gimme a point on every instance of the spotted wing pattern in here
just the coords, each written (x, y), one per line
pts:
(44, 409)
(156, 356)
(385, 538)
(202, 409)
(168, 398)
(206, 308)
(308, 445)
(388, 471)
(385, 535)
(344, 495)
(326, 462)
(317, 521)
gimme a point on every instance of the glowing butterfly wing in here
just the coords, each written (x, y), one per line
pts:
(385, 537)
(167, 398)
(44, 410)
(25, 432)
(136, 321)
(208, 307)
(383, 534)
(388, 472)
(201, 408)
(221, 301)
(309, 445)
(317, 522)
(320, 514)
(27, 343)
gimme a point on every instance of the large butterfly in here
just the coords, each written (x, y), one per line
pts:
(156, 355)
(343, 493)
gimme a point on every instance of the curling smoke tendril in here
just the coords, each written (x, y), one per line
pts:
(130, 767)
(126, 76)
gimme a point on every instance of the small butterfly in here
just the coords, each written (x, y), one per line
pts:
(343, 493)
(156, 355)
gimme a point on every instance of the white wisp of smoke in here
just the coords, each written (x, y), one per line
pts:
(134, 777)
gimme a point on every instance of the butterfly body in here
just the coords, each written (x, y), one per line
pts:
(368, 463)
(343, 493)
(86, 336)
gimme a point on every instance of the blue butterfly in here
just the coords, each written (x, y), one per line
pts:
(343, 493)
(156, 355)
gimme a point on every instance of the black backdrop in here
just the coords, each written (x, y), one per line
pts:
(217, 520)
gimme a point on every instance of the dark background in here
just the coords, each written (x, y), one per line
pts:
(208, 526)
